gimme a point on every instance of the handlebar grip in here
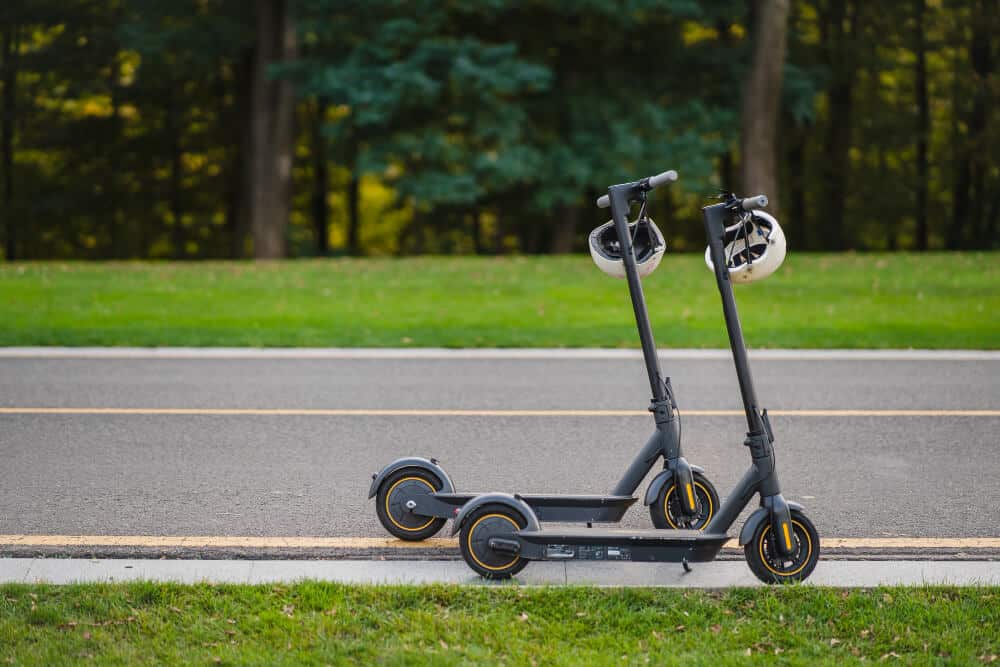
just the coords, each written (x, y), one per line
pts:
(661, 179)
(753, 203)
(670, 176)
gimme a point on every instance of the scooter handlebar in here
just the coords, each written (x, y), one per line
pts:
(753, 203)
(662, 179)
(669, 176)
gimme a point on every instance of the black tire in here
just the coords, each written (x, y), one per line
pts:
(488, 521)
(392, 513)
(770, 568)
(665, 511)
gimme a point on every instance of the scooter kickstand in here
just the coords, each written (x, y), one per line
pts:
(687, 567)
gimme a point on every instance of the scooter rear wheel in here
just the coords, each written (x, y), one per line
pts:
(390, 504)
(772, 568)
(665, 511)
(478, 528)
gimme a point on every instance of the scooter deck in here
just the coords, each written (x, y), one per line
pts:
(665, 546)
(573, 508)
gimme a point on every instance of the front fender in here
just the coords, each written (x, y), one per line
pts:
(759, 516)
(412, 462)
(661, 480)
(496, 498)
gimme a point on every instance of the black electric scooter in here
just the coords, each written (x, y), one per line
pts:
(415, 496)
(500, 533)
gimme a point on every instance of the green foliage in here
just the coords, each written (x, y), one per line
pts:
(492, 124)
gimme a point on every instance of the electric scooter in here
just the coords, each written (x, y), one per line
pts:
(500, 533)
(415, 496)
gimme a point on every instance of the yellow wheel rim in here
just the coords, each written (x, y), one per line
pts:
(468, 542)
(708, 499)
(388, 495)
(809, 548)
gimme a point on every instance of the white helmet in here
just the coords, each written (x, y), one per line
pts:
(754, 247)
(647, 245)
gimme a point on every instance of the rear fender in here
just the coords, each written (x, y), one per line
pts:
(506, 499)
(420, 463)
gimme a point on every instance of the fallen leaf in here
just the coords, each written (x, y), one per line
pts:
(679, 628)
(716, 629)
(834, 641)
(890, 654)
(86, 635)
(657, 635)
(748, 652)
(444, 645)
(288, 610)
(524, 616)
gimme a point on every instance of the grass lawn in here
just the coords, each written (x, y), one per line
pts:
(937, 300)
(318, 623)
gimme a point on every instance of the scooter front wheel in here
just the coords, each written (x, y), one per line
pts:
(665, 511)
(482, 525)
(771, 567)
(391, 504)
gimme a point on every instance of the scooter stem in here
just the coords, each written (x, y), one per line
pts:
(715, 228)
(620, 196)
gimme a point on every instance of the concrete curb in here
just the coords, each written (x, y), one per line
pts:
(724, 574)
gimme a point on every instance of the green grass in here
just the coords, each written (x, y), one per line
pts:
(939, 300)
(318, 623)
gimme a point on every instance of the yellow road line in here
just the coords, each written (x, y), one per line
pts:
(195, 542)
(364, 412)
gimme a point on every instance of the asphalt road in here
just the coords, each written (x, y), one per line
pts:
(140, 474)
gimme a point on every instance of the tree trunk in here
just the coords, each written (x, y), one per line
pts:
(923, 125)
(564, 230)
(762, 101)
(9, 68)
(240, 175)
(960, 159)
(836, 163)
(891, 233)
(498, 230)
(726, 172)
(354, 203)
(320, 206)
(112, 195)
(797, 209)
(173, 128)
(980, 160)
(272, 133)
(477, 232)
